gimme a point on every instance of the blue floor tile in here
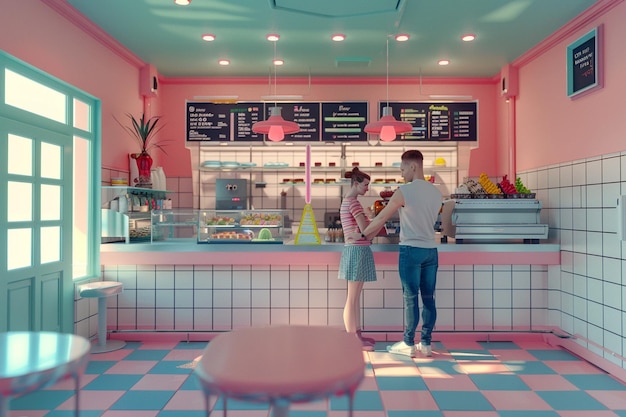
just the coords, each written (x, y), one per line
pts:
(143, 400)
(147, 355)
(240, 405)
(529, 367)
(99, 367)
(363, 401)
(112, 382)
(499, 345)
(71, 413)
(595, 382)
(461, 401)
(191, 383)
(552, 355)
(179, 413)
(491, 382)
(570, 400)
(41, 400)
(170, 367)
(401, 383)
(191, 345)
(306, 413)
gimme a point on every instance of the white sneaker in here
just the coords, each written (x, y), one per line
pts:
(401, 348)
(425, 349)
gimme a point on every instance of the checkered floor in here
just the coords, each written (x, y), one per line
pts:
(462, 379)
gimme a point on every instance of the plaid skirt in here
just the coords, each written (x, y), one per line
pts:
(357, 264)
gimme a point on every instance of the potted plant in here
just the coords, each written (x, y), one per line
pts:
(144, 131)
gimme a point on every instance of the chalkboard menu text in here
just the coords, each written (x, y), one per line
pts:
(437, 121)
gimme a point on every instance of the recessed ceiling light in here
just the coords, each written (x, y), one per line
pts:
(468, 38)
(443, 62)
(272, 37)
(209, 37)
(338, 37)
(182, 2)
(278, 62)
(402, 37)
(223, 62)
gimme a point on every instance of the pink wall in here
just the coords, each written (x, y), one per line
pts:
(552, 128)
(37, 34)
(97, 65)
(174, 93)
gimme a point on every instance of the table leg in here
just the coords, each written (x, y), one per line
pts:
(4, 406)
(280, 408)
(76, 405)
(351, 402)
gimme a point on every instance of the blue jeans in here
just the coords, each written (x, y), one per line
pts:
(418, 274)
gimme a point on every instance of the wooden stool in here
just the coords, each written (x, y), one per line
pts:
(102, 290)
(281, 365)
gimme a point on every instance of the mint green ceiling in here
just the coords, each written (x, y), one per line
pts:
(169, 36)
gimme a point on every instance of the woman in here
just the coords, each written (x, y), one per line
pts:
(357, 262)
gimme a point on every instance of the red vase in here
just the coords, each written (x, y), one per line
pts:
(144, 164)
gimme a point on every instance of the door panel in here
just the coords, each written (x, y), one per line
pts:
(36, 282)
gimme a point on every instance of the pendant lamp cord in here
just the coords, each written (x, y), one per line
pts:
(275, 75)
(387, 71)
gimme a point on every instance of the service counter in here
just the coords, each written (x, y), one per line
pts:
(189, 288)
(164, 253)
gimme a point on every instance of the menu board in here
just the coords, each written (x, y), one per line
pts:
(218, 122)
(232, 122)
(306, 115)
(344, 121)
(437, 121)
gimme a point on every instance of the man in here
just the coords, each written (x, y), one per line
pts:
(418, 203)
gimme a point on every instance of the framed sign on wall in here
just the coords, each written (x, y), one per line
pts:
(584, 63)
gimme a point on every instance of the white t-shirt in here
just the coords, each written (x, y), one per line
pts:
(422, 202)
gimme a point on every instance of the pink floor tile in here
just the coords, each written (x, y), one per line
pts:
(408, 400)
(164, 345)
(357, 413)
(157, 382)
(116, 355)
(368, 384)
(28, 413)
(321, 405)
(548, 383)
(93, 400)
(449, 383)
(573, 367)
(512, 355)
(131, 367)
(70, 384)
(484, 367)
(130, 413)
(470, 414)
(615, 400)
(189, 400)
(585, 413)
(516, 400)
(397, 369)
(241, 413)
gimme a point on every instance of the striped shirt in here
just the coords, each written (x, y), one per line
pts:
(350, 208)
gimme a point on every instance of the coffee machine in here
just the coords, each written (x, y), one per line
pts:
(231, 194)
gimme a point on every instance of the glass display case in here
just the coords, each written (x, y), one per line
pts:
(174, 224)
(241, 226)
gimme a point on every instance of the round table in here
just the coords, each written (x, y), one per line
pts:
(281, 365)
(33, 360)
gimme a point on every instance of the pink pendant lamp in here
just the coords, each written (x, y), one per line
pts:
(387, 127)
(275, 127)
